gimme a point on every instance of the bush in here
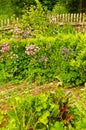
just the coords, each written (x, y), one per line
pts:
(59, 8)
(45, 59)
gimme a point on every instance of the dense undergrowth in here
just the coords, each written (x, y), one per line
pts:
(44, 59)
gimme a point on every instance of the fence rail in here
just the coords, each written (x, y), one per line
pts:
(79, 18)
(8, 22)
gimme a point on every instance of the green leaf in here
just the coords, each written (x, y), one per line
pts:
(57, 126)
(44, 118)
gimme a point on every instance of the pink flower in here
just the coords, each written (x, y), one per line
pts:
(32, 49)
(4, 47)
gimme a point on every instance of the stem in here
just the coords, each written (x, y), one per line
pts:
(15, 113)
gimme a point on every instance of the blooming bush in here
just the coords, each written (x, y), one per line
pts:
(41, 59)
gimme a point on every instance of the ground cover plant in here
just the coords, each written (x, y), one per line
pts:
(44, 59)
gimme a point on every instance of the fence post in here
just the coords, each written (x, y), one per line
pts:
(74, 18)
(1, 23)
(77, 18)
(8, 21)
(71, 17)
(80, 20)
(68, 18)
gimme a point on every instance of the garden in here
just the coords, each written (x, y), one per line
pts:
(42, 71)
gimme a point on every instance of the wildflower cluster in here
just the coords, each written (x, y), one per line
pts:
(4, 47)
(44, 59)
(16, 31)
(68, 52)
(65, 50)
(32, 49)
(27, 33)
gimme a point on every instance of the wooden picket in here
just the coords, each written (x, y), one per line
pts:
(72, 19)
(77, 19)
(8, 22)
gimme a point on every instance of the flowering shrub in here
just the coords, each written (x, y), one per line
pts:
(43, 59)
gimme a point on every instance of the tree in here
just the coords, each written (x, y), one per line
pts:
(49, 3)
(74, 6)
(19, 5)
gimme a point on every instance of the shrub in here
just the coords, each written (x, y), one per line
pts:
(59, 8)
(71, 52)
(45, 59)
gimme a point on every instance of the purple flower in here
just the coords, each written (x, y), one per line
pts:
(44, 58)
(65, 50)
(49, 47)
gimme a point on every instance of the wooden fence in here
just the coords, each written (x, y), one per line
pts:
(77, 20)
(68, 18)
(6, 23)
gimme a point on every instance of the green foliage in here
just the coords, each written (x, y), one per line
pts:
(59, 8)
(1, 117)
(5, 9)
(48, 3)
(44, 59)
(74, 6)
(53, 30)
(33, 21)
(8, 8)
(46, 112)
(36, 18)
(71, 66)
